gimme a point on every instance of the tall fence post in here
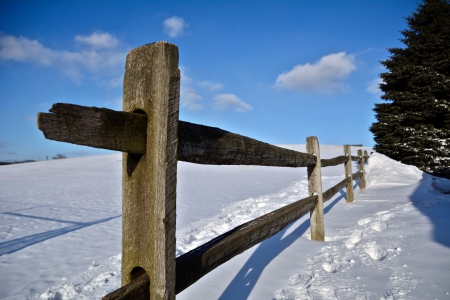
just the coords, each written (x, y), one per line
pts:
(348, 174)
(315, 188)
(362, 179)
(151, 87)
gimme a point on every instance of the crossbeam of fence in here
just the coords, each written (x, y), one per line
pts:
(114, 130)
(152, 140)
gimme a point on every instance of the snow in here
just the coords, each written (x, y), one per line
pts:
(60, 231)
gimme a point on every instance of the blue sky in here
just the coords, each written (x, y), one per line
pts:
(276, 71)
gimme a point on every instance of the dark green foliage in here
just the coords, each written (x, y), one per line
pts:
(414, 125)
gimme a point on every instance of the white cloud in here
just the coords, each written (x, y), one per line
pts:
(226, 101)
(373, 86)
(188, 96)
(23, 49)
(324, 76)
(212, 86)
(102, 55)
(190, 99)
(174, 26)
(98, 40)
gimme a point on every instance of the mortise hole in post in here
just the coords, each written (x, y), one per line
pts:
(144, 289)
(139, 111)
(136, 272)
(133, 159)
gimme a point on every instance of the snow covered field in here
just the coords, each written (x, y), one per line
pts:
(60, 231)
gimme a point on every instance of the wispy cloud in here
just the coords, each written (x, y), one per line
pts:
(32, 119)
(6, 145)
(212, 86)
(116, 103)
(98, 40)
(373, 86)
(99, 53)
(188, 96)
(324, 76)
(114, 82)
(174, 26)
(230, 101)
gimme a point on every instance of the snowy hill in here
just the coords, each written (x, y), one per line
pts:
(60, 231)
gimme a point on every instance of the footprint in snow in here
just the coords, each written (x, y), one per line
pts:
(375, 250)
(331, 266)
(378, 226)
(386, 216)
(364, 221)
(354, 239)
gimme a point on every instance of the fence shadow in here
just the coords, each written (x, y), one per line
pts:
(430, 199)
(245, 280)
(12, 246)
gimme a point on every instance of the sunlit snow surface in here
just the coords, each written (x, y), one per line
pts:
(60, 231)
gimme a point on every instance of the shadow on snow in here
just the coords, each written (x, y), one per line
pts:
(431, 199)
(12, 246)
(243, 283)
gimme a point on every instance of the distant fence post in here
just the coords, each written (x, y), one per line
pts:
(315, 187)
(151, 87)
(366, 157)
(362, 179)
(348, 173)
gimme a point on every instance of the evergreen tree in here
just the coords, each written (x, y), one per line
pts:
(414, 125)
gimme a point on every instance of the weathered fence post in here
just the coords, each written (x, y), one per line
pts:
(348, 174)
(362, 179)
(366, 157)
(315, 187)
(151, 86)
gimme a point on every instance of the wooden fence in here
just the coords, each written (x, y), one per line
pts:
(152, 140)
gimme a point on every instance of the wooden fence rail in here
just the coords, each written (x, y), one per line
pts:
(114, 130)
(152, 140)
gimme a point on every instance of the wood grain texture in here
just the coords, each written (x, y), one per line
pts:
(127, 132)
(333, 161)
(348, 173)
(362, 179)
(328, 194)
(151, 86)
(315, 188)
(208, 145)
(95, 127)
(137, 289)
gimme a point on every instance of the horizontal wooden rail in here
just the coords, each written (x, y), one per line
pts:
(137, 289)
(208, 145)
(357, 175)
(328, 194)
(333, 161)
(123, 131)
(95, 127)
(196, 263)
(355, 158)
